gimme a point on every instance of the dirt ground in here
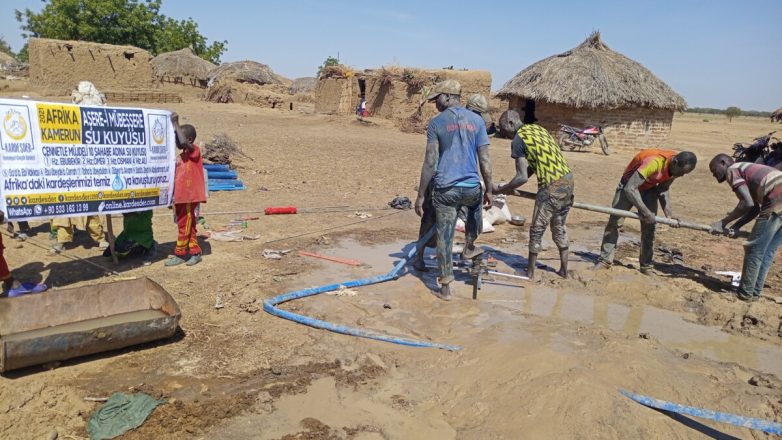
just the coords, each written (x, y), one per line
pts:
(538, 360)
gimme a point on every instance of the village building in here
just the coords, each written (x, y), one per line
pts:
(594, 85)
(398, 94)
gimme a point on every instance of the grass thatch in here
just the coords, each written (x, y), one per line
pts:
(249, 72)
(777, 115)
(339, 71)
(592, 76)
(303, 85)
(182, 63)
(6, 59)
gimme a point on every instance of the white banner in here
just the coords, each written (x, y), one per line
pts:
(66, 160)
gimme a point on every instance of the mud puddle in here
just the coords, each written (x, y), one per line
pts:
(498, 296)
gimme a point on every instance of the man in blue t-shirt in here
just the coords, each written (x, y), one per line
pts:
(456, 144)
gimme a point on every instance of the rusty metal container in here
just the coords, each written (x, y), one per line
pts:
(64, 324)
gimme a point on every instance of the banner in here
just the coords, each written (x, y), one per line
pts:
(66, 160)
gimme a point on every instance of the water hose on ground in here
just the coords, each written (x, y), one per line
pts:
(744, 422)
(270, 306)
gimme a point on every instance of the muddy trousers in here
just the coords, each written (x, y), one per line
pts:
(428, 220)
(187, 235)
(66, 227)
(759, 251)
(447, 202)
(611, 233)
(552, 205)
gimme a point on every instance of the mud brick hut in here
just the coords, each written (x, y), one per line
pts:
(182, 67)
(398, 94)
(594, 85)
(58, 65)
(250, 83)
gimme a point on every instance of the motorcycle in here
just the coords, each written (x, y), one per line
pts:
(766, 150)
(572, 138)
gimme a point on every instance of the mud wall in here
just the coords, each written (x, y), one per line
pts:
(58, 65)
(396, 100)
(633, 128)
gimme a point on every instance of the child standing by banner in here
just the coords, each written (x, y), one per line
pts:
(189, 192)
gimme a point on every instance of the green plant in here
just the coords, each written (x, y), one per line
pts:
(732, 112)
(705, 120)
(134, 22)
(6, 48)
(330, 61)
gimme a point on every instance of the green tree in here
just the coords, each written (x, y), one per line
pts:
(330, 61)
(732, 112)
(5, 47)
(134, 22)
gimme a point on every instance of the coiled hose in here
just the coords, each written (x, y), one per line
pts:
(270, 306)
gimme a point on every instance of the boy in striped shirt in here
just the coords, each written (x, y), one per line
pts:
(759, 190)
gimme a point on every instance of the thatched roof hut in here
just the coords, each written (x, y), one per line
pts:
(594, 85)
(6, 59)
(248, 72)
(303, 85)
(592, 76)
(181, 63)
(777, 115)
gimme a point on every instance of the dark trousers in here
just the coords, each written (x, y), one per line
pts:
(447, 202)
(611, 233)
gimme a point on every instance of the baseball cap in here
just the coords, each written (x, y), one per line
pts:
(449, 87)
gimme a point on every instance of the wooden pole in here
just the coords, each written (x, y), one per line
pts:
(110, 236)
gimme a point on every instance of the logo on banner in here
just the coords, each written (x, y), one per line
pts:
(14, 125)
(159, 131)
(117, 184)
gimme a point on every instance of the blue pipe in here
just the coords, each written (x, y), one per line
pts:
(269, 306)
(744, 422)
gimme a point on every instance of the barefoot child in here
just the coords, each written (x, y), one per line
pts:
(189, 192)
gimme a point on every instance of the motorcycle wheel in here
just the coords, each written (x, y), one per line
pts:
(603, 143)
(565, 143)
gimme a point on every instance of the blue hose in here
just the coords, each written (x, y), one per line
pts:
(269, 306)
(744, 422)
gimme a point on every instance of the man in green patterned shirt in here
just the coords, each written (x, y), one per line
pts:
(536, 152)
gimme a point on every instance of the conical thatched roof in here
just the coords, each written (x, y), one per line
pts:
(592, 76)
(5, 58)
(182, 62)
(245, 72)
(303, 85)
(777, 115)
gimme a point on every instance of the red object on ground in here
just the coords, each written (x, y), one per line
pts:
(334, 259)
(274, 210)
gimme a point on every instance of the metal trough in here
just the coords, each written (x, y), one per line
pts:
(64, 324)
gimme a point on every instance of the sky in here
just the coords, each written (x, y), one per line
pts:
(714, 53)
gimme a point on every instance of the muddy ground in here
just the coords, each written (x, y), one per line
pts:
(538, 360)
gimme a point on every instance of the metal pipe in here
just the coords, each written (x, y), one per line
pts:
(507, 275)
(623, 213)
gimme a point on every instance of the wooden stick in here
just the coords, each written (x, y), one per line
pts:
(110, 236)
(334, 259)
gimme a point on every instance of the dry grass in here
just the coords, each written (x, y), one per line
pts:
(181, 63)
(249, 72)
(592, 76)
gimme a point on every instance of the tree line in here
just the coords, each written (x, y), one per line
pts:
(730, 111)
(123, 22)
